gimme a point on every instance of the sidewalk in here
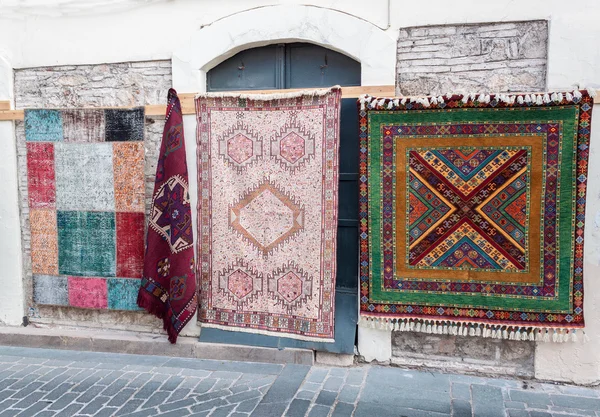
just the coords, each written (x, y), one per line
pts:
(44, 383)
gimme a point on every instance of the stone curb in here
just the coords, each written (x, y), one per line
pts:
(146, 344)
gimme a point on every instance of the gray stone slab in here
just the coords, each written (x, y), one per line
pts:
(177, 404)
(518, 413)
(223, 411)
(269, 409)
(243, 396)
(33, 410)
(530, 398)
(461, 408)
(298, 408)
(535, 413)
(355, 376)
(106, 412)
(319, 411)
(487, 401)
(333, 383)
(461, 391)
(63, 401)
(514, 405)
(317, 375)
(172, 383)
(326, 398)
(31, 399)
(349, 393)
(343, 410)
(287, 383)
(205, 385)
(70, 410)
(94, 405)
(208, 405)
(305, 395)
(247, 406)
(156, 399)
(311, 386)
(564, 410)
(129, 407)
(179, 394)
(571, 401)
(120, 399)
(147, 390)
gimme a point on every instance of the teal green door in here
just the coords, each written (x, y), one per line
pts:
(301, 65)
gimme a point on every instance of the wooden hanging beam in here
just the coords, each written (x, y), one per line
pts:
(187, 100)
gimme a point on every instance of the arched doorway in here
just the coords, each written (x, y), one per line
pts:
(304, 65)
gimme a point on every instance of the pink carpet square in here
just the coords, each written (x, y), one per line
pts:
(88, 292)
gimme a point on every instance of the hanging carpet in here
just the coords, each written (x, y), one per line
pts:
(267, 219)
(168, 288)
(85, 176)
(472, 213)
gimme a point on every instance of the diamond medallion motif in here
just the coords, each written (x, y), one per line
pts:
(266, 217)
(289, 287)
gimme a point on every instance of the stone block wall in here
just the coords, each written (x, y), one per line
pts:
(488, 57)
(106, 85)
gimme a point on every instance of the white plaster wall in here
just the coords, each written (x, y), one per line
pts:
(36, 33)
(11, 296)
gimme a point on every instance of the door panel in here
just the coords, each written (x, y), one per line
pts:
(252, 69)
(299, 65)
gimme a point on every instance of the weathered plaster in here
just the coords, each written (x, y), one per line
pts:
(11, 296)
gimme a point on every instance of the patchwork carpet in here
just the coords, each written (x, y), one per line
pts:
(268, 195)
(168, 288)
(472, 214)
(85, 173)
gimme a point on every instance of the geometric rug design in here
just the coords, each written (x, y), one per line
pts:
(267, 212)
(86, 206)
(472, 214)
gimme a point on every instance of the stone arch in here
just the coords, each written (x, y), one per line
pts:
(341, 32)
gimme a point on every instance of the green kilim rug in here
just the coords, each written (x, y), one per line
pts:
(472, 214)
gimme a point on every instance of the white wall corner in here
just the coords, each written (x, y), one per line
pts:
(11, 273)
(579, 362)
(374, 344)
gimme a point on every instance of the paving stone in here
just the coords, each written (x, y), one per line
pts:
(317, 375)
(24, 380)
(205, 385)
(333, 383)
(222, 384)
(5, 394)
(179, 394)
(7, 383)
(236, 414)
(319, 411)
(9, 413)
(33, 410)
(243, 396)
(46, 414)
(286, 384)
(340, 372)
(584, 392)
(571, 401)
(518, 413)
(70, 410)
(311, 386)
(349, 394)
(139, 381)
(208, 405)
(120, 399)
(58, 391)
(298, 408)
(565, 410)
(199, 373)
(176, 413)
(247, 406)
(487, 401)
(343, 410)
(63, 401)
(24, 392)
(143, 413)
(7, 404)
(461, 408)
(95, 405)
(147, 390)
(129, 407)
(31, 399)
(211, 395)
(223, 411)
(326, 398)
(177, 404)
(514, 405)
(235, 389)
(90, 394)
(226, 375)
(534, 413)
(172, 383)
(461, 391)
(269, 409)
(530, 398)
(355, 377)
(115, 387)
(106, 412)
(305, 395)
(156, 399)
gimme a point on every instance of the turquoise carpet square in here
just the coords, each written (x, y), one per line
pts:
(86, 243)
(43, 126)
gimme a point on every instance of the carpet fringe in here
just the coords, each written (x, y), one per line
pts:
(390, 103)
(485, 330)
(273, 96)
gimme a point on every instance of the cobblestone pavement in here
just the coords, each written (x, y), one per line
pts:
(45, 383)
